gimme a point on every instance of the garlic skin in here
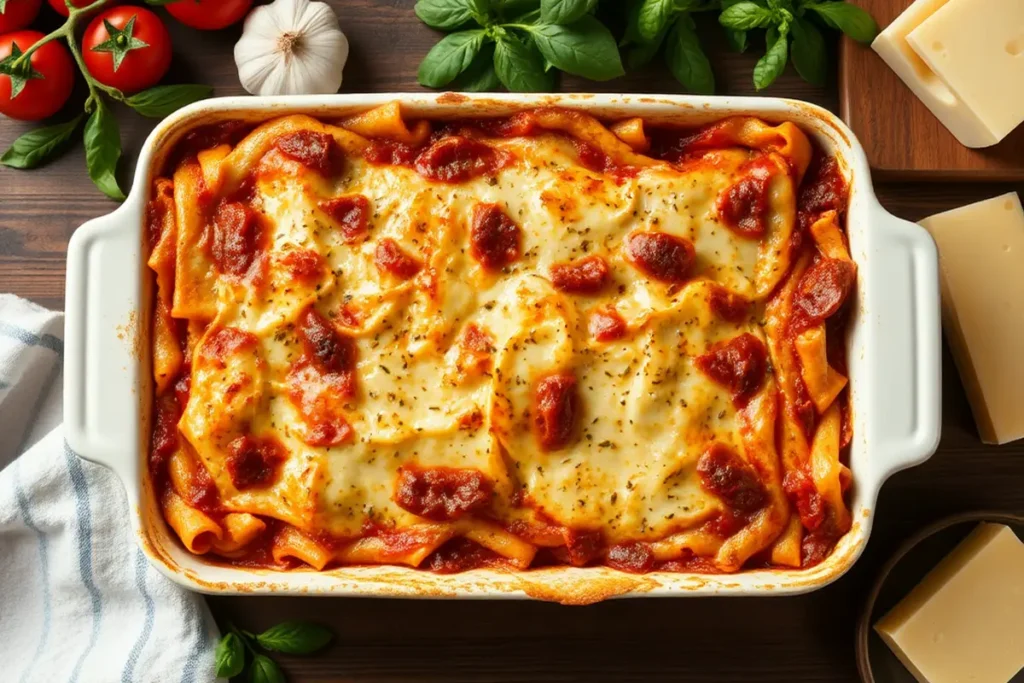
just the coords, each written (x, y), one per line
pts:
(291, 47)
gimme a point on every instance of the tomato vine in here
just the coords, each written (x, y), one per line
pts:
(101, 133)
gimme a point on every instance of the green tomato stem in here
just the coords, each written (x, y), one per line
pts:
(67, 32)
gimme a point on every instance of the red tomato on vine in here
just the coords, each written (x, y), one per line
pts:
(17, 14)
(62, 7)
(127, 48)
(38, 87)
(209, 15)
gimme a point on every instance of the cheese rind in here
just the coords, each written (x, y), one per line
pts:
(965, 620)
(981, 260)
(982, 120)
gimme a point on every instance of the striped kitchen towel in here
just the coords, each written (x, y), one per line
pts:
(78, 600)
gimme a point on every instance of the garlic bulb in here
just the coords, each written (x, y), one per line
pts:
(291, 47)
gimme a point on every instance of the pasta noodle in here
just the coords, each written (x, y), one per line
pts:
(500, 343)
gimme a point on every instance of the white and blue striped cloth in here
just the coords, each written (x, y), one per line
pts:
(78, 600)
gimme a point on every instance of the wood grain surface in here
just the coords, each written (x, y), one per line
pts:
(789, 640)
(901, 137)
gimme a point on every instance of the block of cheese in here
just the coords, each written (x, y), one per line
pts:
(981, 265)
(966, 123)
(965, 620)
(976, 47)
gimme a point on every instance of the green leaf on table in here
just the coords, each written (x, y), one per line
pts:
(40, 145)
(480, 76)
(585, 48)
(642, 53)
(851, 20)
(520, 66)
(737, 40)
(564, 11)
(229, 656)
(743, 16)
(653, 17)
(295, 637)
(265, 670)
(771, 66)
(444, 14)
(686, 59)
(103, 150)
(450, 57)
(808, 53)
(164, 100)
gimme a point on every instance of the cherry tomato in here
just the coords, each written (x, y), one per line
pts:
(135, 56)
(17, 14)
(62, 7)
(45, 87)
(209, 15)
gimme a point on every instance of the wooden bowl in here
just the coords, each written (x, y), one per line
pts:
(904, 570)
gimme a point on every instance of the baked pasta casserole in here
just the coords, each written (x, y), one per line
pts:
(542, 339)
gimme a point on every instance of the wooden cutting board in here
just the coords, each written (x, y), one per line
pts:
(902, 138)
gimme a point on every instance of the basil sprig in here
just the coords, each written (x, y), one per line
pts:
(791, 33)
(529, 39)
(291, 637)
(520, 43)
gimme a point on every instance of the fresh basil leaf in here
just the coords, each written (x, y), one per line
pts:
(653, 17)
(295, 637)
(520, 66)
(744, 16)
(642, 53)
(737, 39)
(164, 100)
(40, 145)
(450, 57)
(444, 14)
(686, 59)
(229, 656)
(769, 67)
(480, 76)
(265, 670)
(851, 20)
(585, 48)
(564, 11)
(808, 53)
(103, 150)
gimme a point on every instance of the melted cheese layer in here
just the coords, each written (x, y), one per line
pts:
(646, 412)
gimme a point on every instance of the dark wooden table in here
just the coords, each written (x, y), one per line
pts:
(808, 638)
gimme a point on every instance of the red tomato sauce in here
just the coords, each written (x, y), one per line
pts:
(254, 462)
(460, 555)
(442, 493)
(739, 364)
(743, 206)
(389, 257)
(607, 325)
(556, 411)
(661, 256)
(352, 213)
(494, 237)
(314, 150)
(588, 275)
(725, 474)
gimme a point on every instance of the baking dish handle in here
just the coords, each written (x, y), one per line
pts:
(102, 340)
(906, 345)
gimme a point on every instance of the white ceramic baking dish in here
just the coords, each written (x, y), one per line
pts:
(894, 357)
